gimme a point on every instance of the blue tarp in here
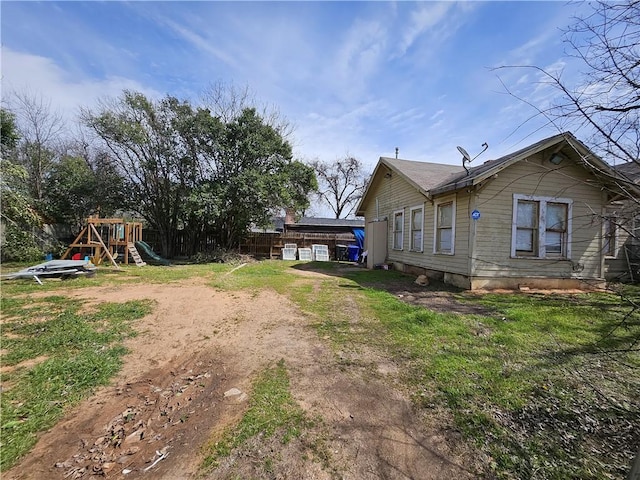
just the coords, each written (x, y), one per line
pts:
(359, 233)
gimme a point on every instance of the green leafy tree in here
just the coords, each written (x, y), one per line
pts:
(75, 189)
(19, 217)
(253, 175)
(8, 130)
(156, 147)
(189, 171)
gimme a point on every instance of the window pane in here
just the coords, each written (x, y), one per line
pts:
(609, 241)
(416, 219)
(445, 240)
(553, 242)
(397, 240)
(397, 223)
(527, 214)
(556, 216)
(524, 240)
(445, 215)
(417, 240)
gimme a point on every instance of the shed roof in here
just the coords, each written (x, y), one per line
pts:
(330, 222)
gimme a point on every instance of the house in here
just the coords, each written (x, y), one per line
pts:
(622, 230)
(535, 217)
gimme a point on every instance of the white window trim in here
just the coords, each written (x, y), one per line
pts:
(542, 211)
(411, 210)
(452, 201)
(612, 217)
(635, 228)
(393, 241)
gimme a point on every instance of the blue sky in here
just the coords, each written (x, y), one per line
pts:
(354, 78)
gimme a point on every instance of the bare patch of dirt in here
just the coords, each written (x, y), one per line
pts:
(170, 397)
(436, 296)
(32, 362)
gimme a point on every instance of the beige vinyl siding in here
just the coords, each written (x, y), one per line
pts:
(395, 194)
(492, 256)
(617, 266)
(459, 261)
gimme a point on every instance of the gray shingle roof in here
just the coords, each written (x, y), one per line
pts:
(436, 178)
(491, 166)
(630, 170)
(330, 222)
(425, 174)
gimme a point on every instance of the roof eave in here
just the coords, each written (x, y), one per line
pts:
(452, 187)
(481, 177)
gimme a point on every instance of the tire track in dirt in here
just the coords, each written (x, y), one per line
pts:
(169, 397)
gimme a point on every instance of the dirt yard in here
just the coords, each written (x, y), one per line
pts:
(189, 375)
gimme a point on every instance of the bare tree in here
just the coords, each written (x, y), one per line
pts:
(603, 104)
(41, 129)
(341, 184)
(605, 99)
(227, 101)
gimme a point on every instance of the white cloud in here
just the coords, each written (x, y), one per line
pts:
(436, 115)
(360, 55)
(206, 45)
(26, 73)
(423, 19)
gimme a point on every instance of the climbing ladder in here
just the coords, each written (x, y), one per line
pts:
(133, 251)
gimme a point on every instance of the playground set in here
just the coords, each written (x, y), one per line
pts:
(123, 240)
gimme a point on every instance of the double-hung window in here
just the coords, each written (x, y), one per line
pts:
(398, 229)
(635, 231)
(417, 215)
(610, 236)
(445, 228)
(541, 227)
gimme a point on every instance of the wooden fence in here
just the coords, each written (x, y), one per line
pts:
(269, 245)
(261, 245)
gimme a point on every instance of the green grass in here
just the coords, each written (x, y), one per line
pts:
(76, 353)
(529, 385)
(271, 411)
(544, 386)
(107, 275)
(267, 274)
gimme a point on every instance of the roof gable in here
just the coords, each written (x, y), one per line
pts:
(421, 175)
(432, 179)
(491, 167)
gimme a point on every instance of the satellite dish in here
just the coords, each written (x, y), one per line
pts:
(465, 155)
(466, 158)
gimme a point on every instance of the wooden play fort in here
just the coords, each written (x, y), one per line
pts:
(121, 237)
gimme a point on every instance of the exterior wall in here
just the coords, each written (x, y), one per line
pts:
(492, 257)
(627, 248)
(482, 248)
(393, 194)
(520, 283)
